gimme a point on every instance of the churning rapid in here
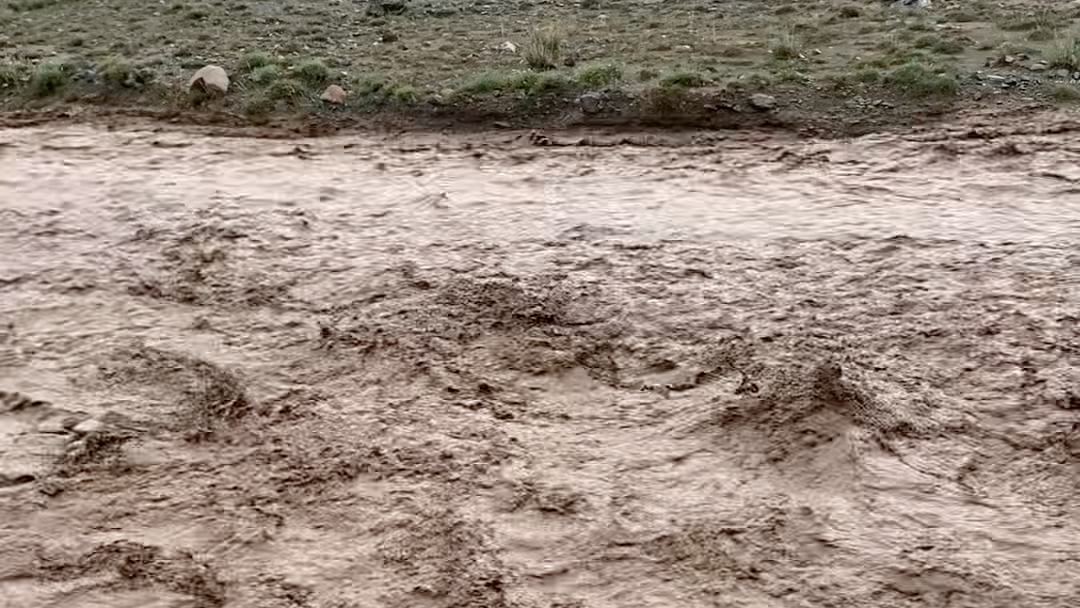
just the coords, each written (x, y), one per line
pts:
(606, 371)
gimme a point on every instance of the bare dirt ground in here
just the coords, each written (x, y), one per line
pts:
(496, 370)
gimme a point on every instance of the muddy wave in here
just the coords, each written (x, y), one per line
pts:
(475, 372)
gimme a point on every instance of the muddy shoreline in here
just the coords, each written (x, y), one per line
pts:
(824, 117)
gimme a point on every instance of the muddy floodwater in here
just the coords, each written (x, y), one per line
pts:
(539, 371)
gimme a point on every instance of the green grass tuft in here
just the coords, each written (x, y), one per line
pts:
(486, 82)
(285, 89)
(11, 75)
(599, 75)
(552, 82)
(49, 79)
(254, 60)
(403, 93)
(264, 75)
(919, 81)
(369, 86)
(1064, 93)
(116, 70)
(937, 44)
(1064, 54)
(683, 80)
(543, 48)
(313, 72)
(786, 47)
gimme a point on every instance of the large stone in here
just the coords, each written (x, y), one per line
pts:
(591, 103)
(210, 78)
(761, 101)
(334, 94)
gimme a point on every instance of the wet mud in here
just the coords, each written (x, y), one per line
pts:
(506, 371)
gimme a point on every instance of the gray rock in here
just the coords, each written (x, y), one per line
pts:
(1039, 66)
(87, 76)
(761, 101)
(591, 103)
(210, 78)
(1062, 74)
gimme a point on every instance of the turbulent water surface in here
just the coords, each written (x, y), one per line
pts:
(748, 370)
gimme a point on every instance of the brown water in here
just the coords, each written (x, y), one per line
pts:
(744, 371)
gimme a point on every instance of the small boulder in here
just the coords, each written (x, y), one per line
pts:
(590, 103)
(334, 94)
(210, 78)
(763, 102)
